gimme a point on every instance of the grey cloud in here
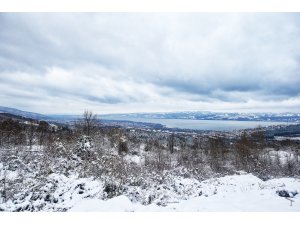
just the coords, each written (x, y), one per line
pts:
(105, 99)
(41, 41)
(128, 58)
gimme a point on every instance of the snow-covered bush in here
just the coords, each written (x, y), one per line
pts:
(84, 146)
(59, 147)
(122, 146)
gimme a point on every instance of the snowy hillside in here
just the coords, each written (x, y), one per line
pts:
(26, 114)
(243, 192)
(229, 193)
(94, 168)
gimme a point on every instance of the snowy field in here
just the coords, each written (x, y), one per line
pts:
(229, 193)
(234, 193)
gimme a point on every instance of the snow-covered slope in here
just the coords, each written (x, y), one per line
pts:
(229, 193)
(18, 112)
(240, 192)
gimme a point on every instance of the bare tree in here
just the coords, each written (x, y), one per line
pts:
(216, 152)
(89, 122)
(43, 129)
(171, 143)
(30, 131)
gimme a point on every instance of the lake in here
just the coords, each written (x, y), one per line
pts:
(219, 125)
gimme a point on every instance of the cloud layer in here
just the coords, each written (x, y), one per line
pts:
(130, 62)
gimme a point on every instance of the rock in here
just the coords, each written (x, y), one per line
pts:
(18, 209)
(293, 193)
(47, 198)
(287, 194)
(35, 197)
(111, 190)
(80, 186)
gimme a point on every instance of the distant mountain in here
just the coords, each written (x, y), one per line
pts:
(194, 115)
(4, 116)
(21, 113)
(203, 115)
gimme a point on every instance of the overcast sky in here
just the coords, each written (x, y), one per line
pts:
(129, 62)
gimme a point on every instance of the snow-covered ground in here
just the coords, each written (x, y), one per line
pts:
(229, 193)
(281, 138)
(240, 192)
(282, 156)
